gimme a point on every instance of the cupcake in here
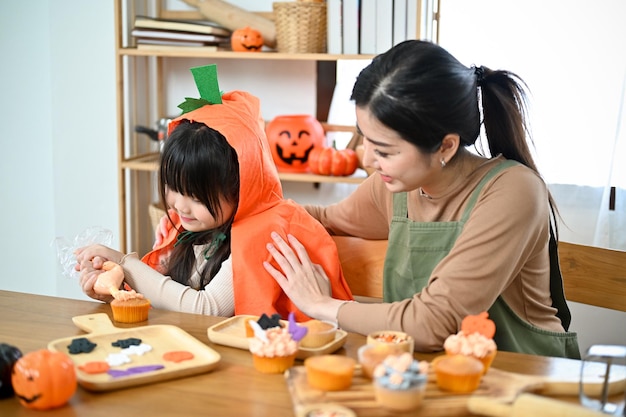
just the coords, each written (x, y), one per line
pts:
(475, 339)
(319, 333)
(329, 372)
(400, 382)
(130, 310)
(458, 373)
(274, 349)
(397, 339)
(371, 355)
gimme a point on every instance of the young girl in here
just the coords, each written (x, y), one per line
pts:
(220, 183)
(467, 233)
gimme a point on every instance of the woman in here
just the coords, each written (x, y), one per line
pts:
(467, 233)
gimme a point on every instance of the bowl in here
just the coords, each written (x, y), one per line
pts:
(320, 333)
(400, 340)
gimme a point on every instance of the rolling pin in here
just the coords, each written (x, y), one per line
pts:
(528, 405)
(233, 18)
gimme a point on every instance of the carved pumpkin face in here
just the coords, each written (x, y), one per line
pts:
(246, 40)
(44, 379)
(292, 138)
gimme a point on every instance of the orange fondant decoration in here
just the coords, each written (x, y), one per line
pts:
(479, 323)
(94, 367)
(262, 209)
(178, 356)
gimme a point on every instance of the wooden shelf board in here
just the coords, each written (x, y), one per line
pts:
(150, 162)
(173, 52)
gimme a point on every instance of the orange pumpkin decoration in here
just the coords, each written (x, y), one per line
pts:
(44, 379)
(479, 323)
(246, 40)
(292, 138)
(330, 161)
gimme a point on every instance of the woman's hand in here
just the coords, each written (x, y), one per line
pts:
(163, 228)
(304, 282)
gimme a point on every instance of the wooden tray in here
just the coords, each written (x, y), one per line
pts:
(500, 386)
(162, 339)
(232, 332)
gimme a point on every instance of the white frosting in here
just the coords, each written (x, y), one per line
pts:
(474, 344)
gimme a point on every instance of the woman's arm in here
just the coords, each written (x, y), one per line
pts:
(363, 213)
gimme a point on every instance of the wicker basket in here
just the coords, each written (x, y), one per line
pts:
(155, 211)
(300, 26)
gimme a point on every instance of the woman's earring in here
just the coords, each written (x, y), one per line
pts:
(443, 163)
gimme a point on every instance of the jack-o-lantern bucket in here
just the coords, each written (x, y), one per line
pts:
(292, 138)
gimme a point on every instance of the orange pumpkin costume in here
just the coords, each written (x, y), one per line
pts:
(262, 209)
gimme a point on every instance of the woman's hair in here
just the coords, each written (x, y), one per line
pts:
(198, 162)
(421, 91)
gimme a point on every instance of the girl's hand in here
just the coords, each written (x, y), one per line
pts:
(96, 255)
(88, 277)
(304, 282)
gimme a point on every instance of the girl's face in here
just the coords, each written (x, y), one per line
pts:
(400, 164)
(193, 214)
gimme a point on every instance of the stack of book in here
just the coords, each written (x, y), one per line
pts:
(369, 26)
(152, 33)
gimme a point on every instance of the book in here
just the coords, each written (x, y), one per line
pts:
(195, 26)
(384, 26)
(367, 30)
(334, 27)
(411, 19)
(399, 21)
(350, 19)
(167, 35)
(180, 48)
(165, 42)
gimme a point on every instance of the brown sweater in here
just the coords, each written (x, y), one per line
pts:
(503, 250)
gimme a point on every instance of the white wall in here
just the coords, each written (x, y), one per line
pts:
(58, 167)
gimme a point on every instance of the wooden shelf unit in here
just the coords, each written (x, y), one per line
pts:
(140, 78)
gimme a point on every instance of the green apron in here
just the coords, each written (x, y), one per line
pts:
(415, 248)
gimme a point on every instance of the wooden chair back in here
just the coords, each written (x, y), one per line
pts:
(593, 276)
(362, 262)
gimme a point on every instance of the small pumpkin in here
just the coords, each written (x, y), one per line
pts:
(334, 162)
(479, 323)
(8, 356)
(292, 138)
(246, 40)
(44, 379)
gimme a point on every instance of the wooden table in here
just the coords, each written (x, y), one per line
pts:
(233, 388)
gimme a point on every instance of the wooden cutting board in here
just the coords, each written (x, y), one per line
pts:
(497, 386)
(160, 338)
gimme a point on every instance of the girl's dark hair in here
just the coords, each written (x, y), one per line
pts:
(198, 162)
(421, 91)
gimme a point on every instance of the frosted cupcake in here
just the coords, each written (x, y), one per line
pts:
(475, 339)
(400, 382)
(128, 305)
(274, 349)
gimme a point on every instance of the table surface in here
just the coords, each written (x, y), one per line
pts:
(233, 388)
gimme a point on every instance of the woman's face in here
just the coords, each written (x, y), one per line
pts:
(193, 214)
(400, 164)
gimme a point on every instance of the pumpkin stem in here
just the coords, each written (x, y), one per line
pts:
(208, 87)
